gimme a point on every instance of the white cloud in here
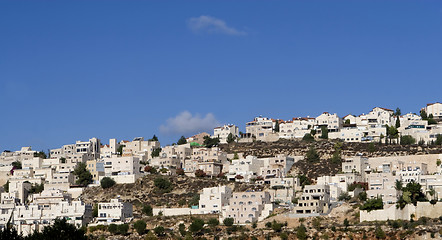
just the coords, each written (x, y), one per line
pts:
(210, 24)
(187, 124)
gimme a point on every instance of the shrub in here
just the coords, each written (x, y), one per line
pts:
(112, 228)
(407, 140)
(276, 226)
(379, 233)
(213, 222)
(344, 197)
(123, 228)
(140, 226)
(163, 184)
(228, 221)
(147, 209)
(308, 138)
(197, 225)
(301, 232)
(159, 231)
(372, 204)
(107, 182)
(182, 229)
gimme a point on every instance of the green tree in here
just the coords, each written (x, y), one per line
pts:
(398, 112)
(120, 149)
(276, 128)
(411, 193)
(210, 142)
(107, 182)
(312, 155)
(159, 231)
(438, 139)
(123, 228)
(112, 228)
(230, 138)
(163, 184)
(398, 122)
(407, 140)
(324, 132)
(347, 121)
(213, 222)
(196, 225)
(393, 133)
(346, 223)
(6, 186)
(398, 185)
(16, 165)
(301, 232)
(147, 209)
(154, 138)
(228, 222)
(438, 162)
(423, 115)
(304, 180)
(40, 154)
(84, 177)
(36, 188)
(336, 158)
(155, 152)
(59, 230)
(140, 226)
(95, 211)
(235, 156)
(344, 196)
(182, 140)
(182, 229)
(379, 233)
(308, 138)
(372, 204)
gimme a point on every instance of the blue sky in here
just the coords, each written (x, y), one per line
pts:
(73, 70)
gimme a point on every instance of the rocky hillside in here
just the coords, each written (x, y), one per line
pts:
(143, 191)
(326, 148)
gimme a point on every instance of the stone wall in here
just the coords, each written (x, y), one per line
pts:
(423, 209)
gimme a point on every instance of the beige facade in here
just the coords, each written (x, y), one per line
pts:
(331, 121)
(223, 132)
(260, 127)
(435, 109)
(314, 199)
(212, 200)
(246, 207)
(114, 211)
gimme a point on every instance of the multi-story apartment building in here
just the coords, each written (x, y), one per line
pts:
(296, 128)
(248, 207)
(223, 132)
(331, 121)
(276, 167)
(435, 109)
(383, 185)
(314, 199)
(140, 148)
(356, 164)
(212, 200)
(114, 211)
(248, 168)
(283, 189)
(260, 127)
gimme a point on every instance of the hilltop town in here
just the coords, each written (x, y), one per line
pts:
(376, 175)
